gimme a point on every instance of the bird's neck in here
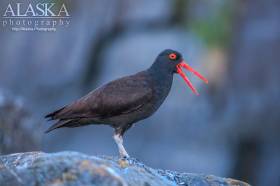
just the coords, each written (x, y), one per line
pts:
(162, 77)
(162, 82)
(161, 73)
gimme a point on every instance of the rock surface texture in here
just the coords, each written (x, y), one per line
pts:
(76, 169)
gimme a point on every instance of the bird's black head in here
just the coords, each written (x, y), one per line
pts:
(170, 61)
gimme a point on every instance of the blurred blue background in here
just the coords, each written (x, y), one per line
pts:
(231, 129)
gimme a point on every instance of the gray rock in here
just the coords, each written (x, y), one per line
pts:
(18, 128)
(75, 169)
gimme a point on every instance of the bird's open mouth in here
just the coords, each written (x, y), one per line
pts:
(183, 64)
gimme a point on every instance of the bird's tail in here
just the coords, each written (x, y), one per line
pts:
(59, 124)
(53, 115)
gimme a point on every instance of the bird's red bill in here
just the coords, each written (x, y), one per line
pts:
(187, 67)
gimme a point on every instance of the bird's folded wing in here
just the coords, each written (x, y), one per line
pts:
(118, 97)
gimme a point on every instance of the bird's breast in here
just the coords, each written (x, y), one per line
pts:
(161, 90)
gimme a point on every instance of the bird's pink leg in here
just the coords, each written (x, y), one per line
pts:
(119, 141)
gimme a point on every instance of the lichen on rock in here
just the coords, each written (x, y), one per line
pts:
(76, 169)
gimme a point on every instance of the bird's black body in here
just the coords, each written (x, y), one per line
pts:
(120, 103)
(124, 101)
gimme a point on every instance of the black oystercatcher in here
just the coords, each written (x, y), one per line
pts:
(124, 101)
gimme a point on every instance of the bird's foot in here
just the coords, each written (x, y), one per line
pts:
(123, 162)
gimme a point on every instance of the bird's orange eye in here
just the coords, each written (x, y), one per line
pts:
(172, 56)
